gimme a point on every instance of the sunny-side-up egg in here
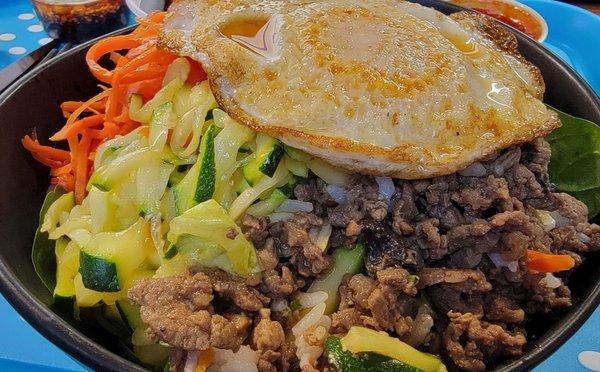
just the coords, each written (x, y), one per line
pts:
(378, 87)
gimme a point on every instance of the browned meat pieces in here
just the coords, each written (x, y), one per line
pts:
(453, 289)
(383, 304)
(268, 338)
(540, 297)
(502, 309)
(293, 237)
(229, 331)
(256, 229)
(471, 342)
(175, 309)
(363, 200)
(178, 309)
(471, 279)
(477, 195)
(583, 237)
(388, 249)
(244, 296)
(278, 280)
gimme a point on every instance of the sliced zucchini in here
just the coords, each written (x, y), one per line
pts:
(297, 167)
(239, 182)
(154, 355)
(198, 185)
(170, 252)
(159, 126)
(143, 114)
(111, 261)
(269, 152)
(67, 265)
(130, 312)
(98, 273)
(265, 207)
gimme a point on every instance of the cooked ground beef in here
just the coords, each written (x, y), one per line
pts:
(446, 268)
(384, 303)
(268, 338)
(470, 341)
(177, 311)
(465, 237)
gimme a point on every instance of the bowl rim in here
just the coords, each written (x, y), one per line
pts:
(94, 355)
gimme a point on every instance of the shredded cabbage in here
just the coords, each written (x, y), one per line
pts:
(207, 231)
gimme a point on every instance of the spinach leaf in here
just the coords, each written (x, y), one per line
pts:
(575, 162)
(52, 195)
(42, 253)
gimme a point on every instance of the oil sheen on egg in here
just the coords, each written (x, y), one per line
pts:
(378, 87)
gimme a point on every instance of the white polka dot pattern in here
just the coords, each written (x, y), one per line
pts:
(35, 28)
(590, 360)
(44, 40)
(7, 37)
(17, 50)
(25, 16)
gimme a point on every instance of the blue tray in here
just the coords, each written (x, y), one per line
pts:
(22, 348)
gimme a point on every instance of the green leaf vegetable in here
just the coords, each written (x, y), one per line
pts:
(345, 361)
(365, 340)
(42, 253)
(575, 163)
(345, 262)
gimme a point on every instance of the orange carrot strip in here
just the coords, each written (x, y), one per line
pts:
(81, 170)
(71, 106)
(551, 263)
(50, 152)
(65, 169)
(146, 74)
(106, 46)
(75, 115)
(50, 163)
(66, 181)
(148, 88)
(77, 127)
(109, 131)
(205, 359)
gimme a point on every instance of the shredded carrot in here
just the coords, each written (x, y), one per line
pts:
(71, 106)
(550, 263)
(205, 359)
(139, 68)
(34, 146)
(77, 127)
(106, 46)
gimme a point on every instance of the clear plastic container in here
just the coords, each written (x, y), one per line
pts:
(80, 20)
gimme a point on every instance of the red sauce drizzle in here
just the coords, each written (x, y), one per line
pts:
(506, 13)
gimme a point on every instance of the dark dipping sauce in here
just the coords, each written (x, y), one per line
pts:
(507, 13)
(79, 21)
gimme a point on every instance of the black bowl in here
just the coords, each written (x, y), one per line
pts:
(33, 102)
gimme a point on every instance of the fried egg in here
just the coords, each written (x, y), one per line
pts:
(377, 87)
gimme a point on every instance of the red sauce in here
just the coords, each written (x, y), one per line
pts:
(507, 13)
